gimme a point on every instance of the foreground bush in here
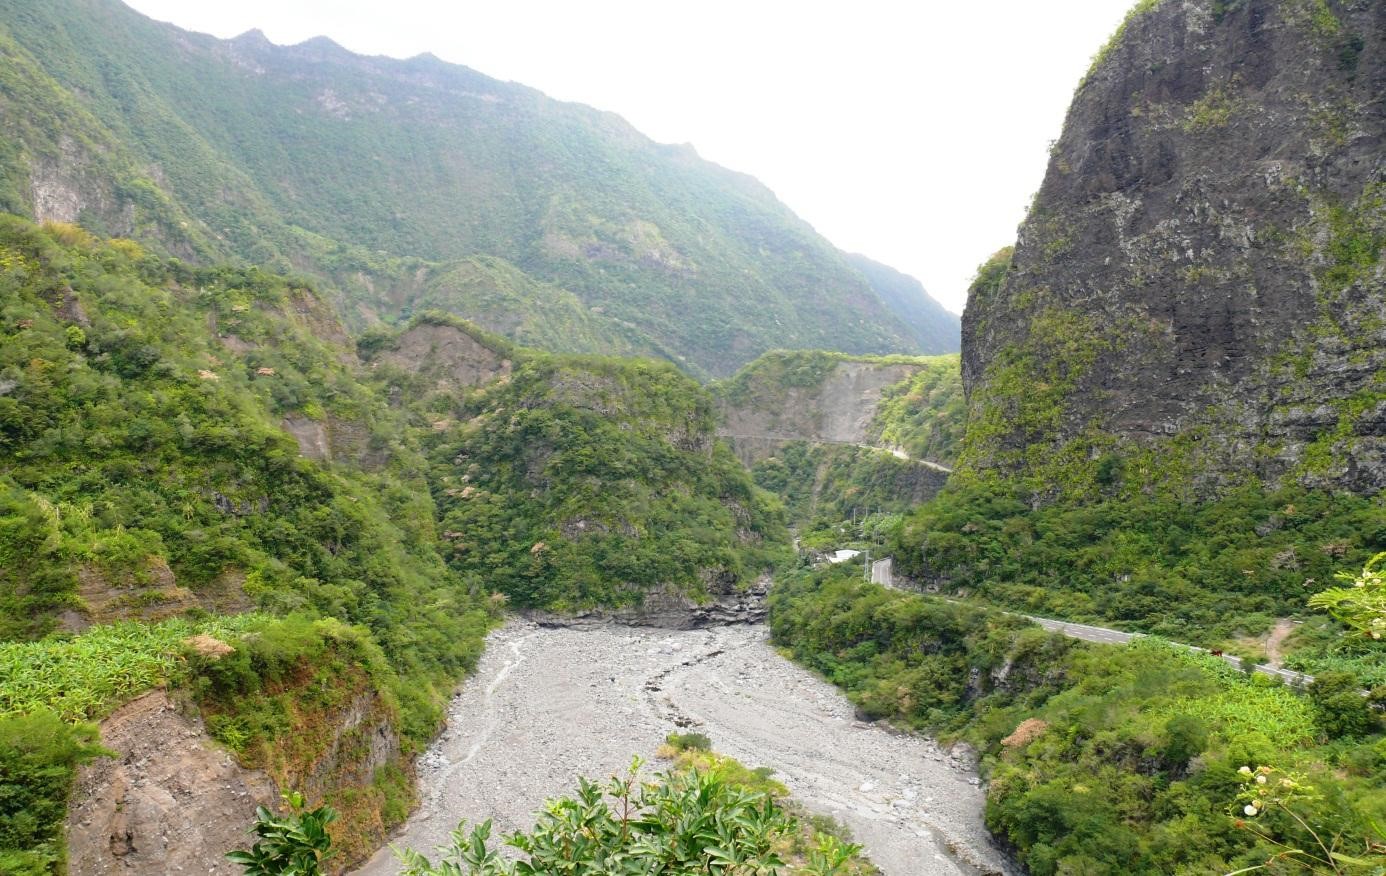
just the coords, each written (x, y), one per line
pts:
(708, 815)
(288, 845)
(691, 822)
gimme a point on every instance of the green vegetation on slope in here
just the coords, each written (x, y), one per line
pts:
(370, 170)
(145, 455)
(765, 379)
(583, 481)
(39, 756)
(1102, 758)
(822, 483)
(277, 700)
(271, 690)
(935, 328)
(84, 677)
(925, 414)
(1194, 572)
(148, 474)
(494, 293)
(825, 485)
(144, 474)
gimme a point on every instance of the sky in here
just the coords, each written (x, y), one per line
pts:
(913, 131)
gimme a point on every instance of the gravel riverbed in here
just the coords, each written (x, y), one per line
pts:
(547, 705)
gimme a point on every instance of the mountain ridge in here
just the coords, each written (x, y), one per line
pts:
(935, 327)
(380, 175)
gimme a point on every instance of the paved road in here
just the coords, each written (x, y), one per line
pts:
(1118, 637)
(896, 452)
(1108, 636)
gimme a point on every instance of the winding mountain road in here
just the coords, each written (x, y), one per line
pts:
(1108, 636)
(1119, 637)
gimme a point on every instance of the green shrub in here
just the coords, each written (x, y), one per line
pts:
(691, 821)
(1340, 708)
(289, 845)
(688, 742)
(39, 755)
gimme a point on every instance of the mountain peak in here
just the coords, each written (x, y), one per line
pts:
(252, 37)
(323, 47)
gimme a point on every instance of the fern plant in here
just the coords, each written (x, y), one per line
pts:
(1361, 605)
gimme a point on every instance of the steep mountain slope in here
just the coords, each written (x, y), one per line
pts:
(147, 473)
(578, 482)
(1175, 383)
(1196, 297)
(935, 328)
(311, 541)
(413, 184)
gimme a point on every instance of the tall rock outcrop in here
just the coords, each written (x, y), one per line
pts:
(1198, 297)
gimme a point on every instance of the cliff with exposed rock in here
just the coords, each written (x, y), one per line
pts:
(1197, 297)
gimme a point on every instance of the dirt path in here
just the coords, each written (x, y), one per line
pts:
(1282, 630)
(549, 704)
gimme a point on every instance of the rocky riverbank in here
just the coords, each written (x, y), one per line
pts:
(549, 704)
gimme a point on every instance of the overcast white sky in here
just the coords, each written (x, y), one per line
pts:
(913, 131)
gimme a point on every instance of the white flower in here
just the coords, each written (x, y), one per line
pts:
(1246, 770)
(1250, 810)
(1260, 780)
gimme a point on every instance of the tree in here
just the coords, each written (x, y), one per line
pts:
(1339, 707)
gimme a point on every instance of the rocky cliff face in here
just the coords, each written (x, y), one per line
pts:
(168, 801)
(831, 402)
(1197, 296)
(171, 799)
(451, 354)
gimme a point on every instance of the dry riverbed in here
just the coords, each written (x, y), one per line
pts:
(547, 705)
